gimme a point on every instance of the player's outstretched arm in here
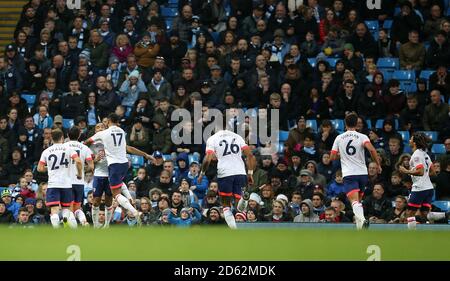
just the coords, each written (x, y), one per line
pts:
(205, 165)
(41, 168)
(251, 163)
(79, 166)
(373, 153)
(135, 151)
(415, 171)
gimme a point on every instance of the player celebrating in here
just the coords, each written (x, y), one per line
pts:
(116, 149)
(349, 146)
(59, 191)
(231, 176)
(422, 189)
(85, 155)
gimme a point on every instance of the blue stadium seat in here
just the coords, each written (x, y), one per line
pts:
(372, 25)
(68, 123)
(192, 158)
(407, 149)
(443, 205)
(215, 36)
(30, 98)
(388, 63)
(169, 12)
(283, 136)
(404, 75)
(168, 24)
(173, 3)
(332, 61)
(408, 86)
(137, 161)
(128, 111)
(291, 124)
(425, 74)
(387, 74)
(405, 136)
(167, 157)
(387, 24)
(312, 62)
(379, 123)
(397, 11)
(280, 148)
(338, 124)
(433, 135)
(312, 124)
(438, 148)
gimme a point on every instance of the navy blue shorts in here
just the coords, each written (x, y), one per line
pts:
(101, 184)
(354, 184)
(58, 196)
(232, 185)
(418, 199)
(78, 193)
(117, 172)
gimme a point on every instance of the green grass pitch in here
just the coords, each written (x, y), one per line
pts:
(221, 244)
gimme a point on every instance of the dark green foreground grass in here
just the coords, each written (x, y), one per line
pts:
(216, 244)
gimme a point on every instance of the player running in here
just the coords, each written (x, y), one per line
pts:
(116, 149)
(422, 189)
(349, 146)
(85, 155)
(55, 160)
(231, 176)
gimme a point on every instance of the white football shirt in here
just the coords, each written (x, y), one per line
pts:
(85, 154)
(115, 145)
(228, 148)
(57, 158)
(350, 146)
(101, 167)
(420, 159)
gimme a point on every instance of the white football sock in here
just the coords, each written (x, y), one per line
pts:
(126, 204)
(125, 191)
(108, 215)
(79, 214)
(229, 218)
(95, 211)
(435, 216)
(55, 220)
(412, 223)
(72, 222)
(358, 210)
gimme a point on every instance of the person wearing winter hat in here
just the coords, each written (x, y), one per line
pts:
(254, 202)
(186, 219)
(11, 206)
(213, 216)
(240, 217)
(131, 88)
(283, 198)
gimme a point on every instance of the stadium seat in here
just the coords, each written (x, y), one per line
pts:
(388, 63)
(30, 98)
(283, 136)
(338, 124)
(169, 12)
(387, 24)
(291, 124)
(173, 3)
(397, 11)
(215, 36)
(443, 205)
(372, 25)
(312, 62)
(425, 74)
(379, 123)
(128, 111)
(137, 161)
(405, 136)
(407, 149)
(438, 148)
(168, 24)
(280, 148)
(332, 61)
(433, 135)
(167, 157)
(192, 158)
(387, 74)
(408, 86)
(312, 124)
(68, 123)
(404, 75)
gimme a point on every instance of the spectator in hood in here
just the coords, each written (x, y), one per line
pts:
(132, 88)
(307, 213)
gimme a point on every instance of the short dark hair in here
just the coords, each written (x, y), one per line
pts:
(74, 133)
(57, 134)
(114, 118)
(351, 120)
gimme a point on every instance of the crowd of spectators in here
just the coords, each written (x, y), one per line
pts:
(143, 59)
